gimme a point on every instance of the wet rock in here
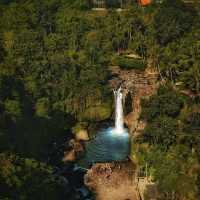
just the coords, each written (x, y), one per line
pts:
(69, 156)
(75, 150)
(76, 145)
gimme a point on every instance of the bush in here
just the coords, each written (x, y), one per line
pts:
(13, 107)
(42, 107)
(129, 63)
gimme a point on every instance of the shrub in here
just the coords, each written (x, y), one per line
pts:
(129, 63)
(13, 107)
(42, 107)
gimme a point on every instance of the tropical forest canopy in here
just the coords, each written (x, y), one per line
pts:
(54, 72)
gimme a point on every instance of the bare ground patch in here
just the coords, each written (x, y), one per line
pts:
(112, 181)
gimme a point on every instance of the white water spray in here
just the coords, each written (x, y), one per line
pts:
(119, 118)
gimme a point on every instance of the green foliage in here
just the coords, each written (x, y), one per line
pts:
(79, 126)
(42, 107)
(192, 122)
(172, 20)
(53, 73)
(177, 178)
(171, 140)
(28, 179)
(50, 71)
(171, 170)
(96, 113)
(179, 61)
(162, 131)
(129, 63)
(78, 4)
(165, 102)
(12, 107)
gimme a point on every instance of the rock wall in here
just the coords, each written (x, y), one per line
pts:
(139, 84)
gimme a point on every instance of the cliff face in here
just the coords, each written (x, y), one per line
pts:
(137, 85)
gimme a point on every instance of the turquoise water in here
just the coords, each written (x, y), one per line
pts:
(107, 146)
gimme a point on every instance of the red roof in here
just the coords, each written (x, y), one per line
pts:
(145, 2)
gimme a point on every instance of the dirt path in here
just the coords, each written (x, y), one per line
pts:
(112, 181)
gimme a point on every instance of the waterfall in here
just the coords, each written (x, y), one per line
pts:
(119, 118)
(111, 143)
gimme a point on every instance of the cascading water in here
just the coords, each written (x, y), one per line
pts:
(111, 143)
(119, 118)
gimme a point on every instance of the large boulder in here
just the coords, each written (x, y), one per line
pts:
(69, 156)
(80, 131)
(82, 135)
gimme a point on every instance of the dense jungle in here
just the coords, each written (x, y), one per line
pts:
(55, 68)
